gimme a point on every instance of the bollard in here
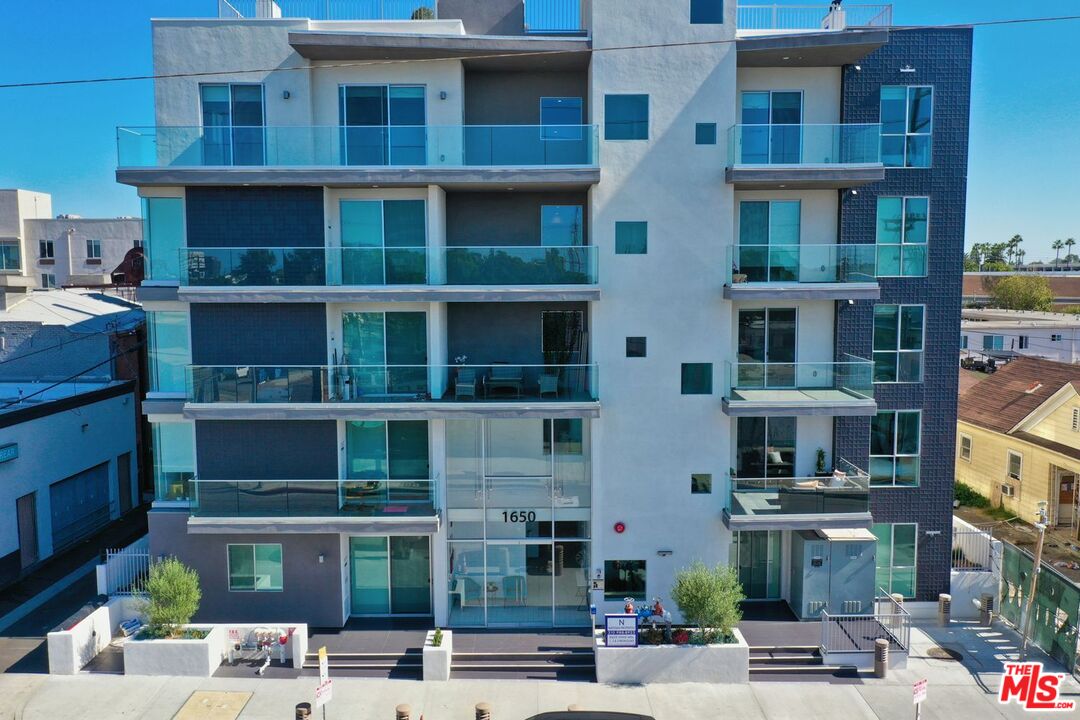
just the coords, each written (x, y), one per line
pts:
(575, 708)
(986, 607)
(403, 712)
(944, 608)
(483, 711)
(303, 711)
(881, 657)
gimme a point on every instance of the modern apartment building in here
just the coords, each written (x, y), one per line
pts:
(456, 310)
(38, 250)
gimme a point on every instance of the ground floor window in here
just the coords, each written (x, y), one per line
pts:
(896, 557)
(255, 568)
(624, 579)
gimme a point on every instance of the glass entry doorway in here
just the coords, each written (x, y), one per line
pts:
(390, 575)
(758, 556)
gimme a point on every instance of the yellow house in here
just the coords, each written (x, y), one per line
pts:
(1018, 439)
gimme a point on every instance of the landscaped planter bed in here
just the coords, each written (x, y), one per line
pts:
(717, 663)
(183, 657)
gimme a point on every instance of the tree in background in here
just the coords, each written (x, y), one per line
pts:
(1069, 244)
(423, 13)
(709, 598)
(1057, 245)
(174, 593)
(1021, 292)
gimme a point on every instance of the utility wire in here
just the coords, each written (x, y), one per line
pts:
(73, 378)
(494, 56)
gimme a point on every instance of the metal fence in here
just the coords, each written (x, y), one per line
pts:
(857, 633)
(972, 550)
(330, 9)
(812, 17)
(127, 569)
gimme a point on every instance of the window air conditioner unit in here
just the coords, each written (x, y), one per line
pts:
(1007, 490)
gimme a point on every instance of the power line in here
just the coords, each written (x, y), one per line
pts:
(495, 56)
(72, 378)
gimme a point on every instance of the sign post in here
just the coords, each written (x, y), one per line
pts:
(621, 630)
(918, 692)
(325, 691)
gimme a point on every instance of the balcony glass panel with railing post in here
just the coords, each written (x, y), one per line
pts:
(264, 384)
(783, 382)
(795, 145)
(361, 146)
(846, 491)
(801, 263)
(313, 498)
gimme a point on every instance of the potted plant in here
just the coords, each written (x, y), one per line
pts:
(820, 469)
(736, 276)
(438, 650)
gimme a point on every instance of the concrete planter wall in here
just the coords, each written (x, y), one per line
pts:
(726, 664)
(190, 658)
(71, 649)
(437, 659)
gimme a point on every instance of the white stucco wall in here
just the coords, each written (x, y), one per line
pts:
(1066, 350)
(818, 216)
(69, 236)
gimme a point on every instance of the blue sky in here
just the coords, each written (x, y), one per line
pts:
(1025, 149)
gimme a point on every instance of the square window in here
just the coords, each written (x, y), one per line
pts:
(697, 378)
(635, 347)
(705, 133)
(626, 117)
(631, 238)
(624, 579)
(255, 568)
(706, 12)
(701, 484)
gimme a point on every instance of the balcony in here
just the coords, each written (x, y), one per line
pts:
(801, 388)
(770, 157)
(398, 505)
(393, 156)
(392, 391)
(518, 272)
(330, 9)
(841, 500)
(807, 271)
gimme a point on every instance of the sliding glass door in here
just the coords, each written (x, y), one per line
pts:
(769, 240)
(383, 124)
(232, 118)
(390, 575)
(767, 344)
(765, 447)
(772, 127)
(383, 242)
(390, 462)
(758, 555)
(386, 353)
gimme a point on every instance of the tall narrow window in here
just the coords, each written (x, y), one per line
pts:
(173, 445)
(894, 448)
(898, 343)
(902, 236)
(896, 557)
(170, 350)
(907, 121)
(965, 447)
(163, 236)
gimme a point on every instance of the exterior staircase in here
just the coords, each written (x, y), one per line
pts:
(564, 664)
(404, 665)
(792, 662)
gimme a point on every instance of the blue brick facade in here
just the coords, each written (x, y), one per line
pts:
(941, 58)
(258, 334)
(254, 217)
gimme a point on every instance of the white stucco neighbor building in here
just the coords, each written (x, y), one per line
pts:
(1010, 333)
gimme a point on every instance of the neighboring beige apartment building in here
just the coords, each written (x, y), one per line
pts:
(38, 250)
(1018, 439)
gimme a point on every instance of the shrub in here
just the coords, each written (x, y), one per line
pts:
(436, 639)
(174, 597)
(967, 495)
(709, 598)
(422, 13)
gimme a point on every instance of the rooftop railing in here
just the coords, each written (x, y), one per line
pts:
(552, 17)
(804, 263)
(812, 17)
(362, 498)
(358, 146)
(330, 9)
(787, 145)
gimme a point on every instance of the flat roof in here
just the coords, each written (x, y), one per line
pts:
(77, 309)
(991, 318)
(36, 399)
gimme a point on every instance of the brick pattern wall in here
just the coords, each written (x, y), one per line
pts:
(255, 217)
(258, 334)
(942, 58)
(266, 449)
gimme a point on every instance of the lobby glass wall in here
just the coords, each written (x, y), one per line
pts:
(518, 506)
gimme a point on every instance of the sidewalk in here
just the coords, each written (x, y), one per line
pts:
(959, 690)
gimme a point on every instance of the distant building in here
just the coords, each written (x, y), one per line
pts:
(1064, 283)
(70, 383)
(1005, 334)
(1019, 445)
(40, 251)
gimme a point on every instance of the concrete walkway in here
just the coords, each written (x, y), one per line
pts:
(959, 690)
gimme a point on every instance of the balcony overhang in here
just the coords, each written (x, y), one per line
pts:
(549, 177)
(765, 403)
(809, 49)
(814, 521)
(390, 293)
(803, 177)
(155, 404)
(382, 525)
(802, 291)
(433, 410)
(478, 52)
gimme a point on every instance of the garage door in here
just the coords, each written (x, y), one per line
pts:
(79, 505)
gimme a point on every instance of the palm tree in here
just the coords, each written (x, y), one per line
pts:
(1014, 244)
(1057, 245)
(1069, 244)
(1020, 253)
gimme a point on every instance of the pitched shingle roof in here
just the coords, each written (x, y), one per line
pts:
(1003, 399)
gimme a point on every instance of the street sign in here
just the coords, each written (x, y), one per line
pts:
(324, 667)
(919, 690)
(621, 630)
(324, 693)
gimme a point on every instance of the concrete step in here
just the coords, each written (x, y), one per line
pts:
(805, 660)
(793, 649)
(801, 669)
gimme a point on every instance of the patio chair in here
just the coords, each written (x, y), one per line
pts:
(465, 384)
(506, 377)
(549, 385)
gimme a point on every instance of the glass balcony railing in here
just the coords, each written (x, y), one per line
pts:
(793, 145)
(364, 498)
(265, 384)
(317, 266)
(555, 17)
(782, 382)
(804, 263)
(406, 146)
(847, 490)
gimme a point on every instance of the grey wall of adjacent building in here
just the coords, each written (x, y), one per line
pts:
(257, 217)
(266, 449)
(513, 98)
(501, 332)
(311, 590)
(258, 334)
(486, 17)
(483, 219)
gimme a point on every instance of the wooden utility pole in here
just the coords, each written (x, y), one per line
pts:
(1036, 568)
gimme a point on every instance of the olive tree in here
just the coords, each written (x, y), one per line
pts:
(709, 598)
(174, 595)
